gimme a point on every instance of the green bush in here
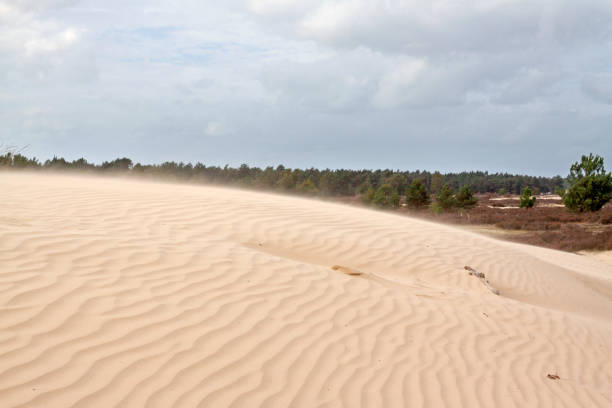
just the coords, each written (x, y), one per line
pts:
(287, 181)
(398, 182)
(445, 199)
(417, 195)
(307, 187)
(527, 200)
(590, 187)
(382, 197)
(435, 208)
(436, 182)
(395, 199)
(465, 198)
(364, 187)
(368, 196)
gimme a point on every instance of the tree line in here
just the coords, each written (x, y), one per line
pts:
(417, 196)
(327, 182)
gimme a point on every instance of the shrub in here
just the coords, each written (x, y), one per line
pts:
(606, 219)
(307, 187)
(398, 182)
(465, 198)
(395, 199)
(417, 195)
(287, 181)
(368, 195)
(364, 187)
(527, 200)
(435, 208)
(590, 186)
(382, 197)
(445, 199)
(436, 182)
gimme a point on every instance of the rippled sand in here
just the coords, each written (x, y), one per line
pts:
(132, 294)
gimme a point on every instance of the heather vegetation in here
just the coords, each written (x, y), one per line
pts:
(548, 223)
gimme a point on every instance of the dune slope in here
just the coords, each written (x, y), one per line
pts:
(129, 294)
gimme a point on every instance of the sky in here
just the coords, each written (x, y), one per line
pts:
(520, 86)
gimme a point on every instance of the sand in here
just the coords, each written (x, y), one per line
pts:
(132, 294)
(602, 256)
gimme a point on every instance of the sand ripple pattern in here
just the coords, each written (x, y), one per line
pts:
(118, 293)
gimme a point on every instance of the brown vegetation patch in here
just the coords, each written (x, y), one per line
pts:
(544, 225)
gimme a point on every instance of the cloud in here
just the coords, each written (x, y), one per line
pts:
(527, 84)
(425, 27)
(418, 84)
(35, 5)
(353, 83)
(33, 45)
(599, 87)
(343, 82)
(52, 42)
(216, 129)
(279, 8)
(442, 52)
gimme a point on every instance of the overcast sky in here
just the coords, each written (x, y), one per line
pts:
(501, 85)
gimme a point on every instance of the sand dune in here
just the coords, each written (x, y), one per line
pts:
(132, 294)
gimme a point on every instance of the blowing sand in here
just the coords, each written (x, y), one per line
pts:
(132, 294)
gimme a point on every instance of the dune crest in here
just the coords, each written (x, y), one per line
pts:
(126, 293)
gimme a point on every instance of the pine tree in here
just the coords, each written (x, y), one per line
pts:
(527, 200)
(417, 195)
(436, 182)
(590, 185)
(465, 198)
(382, 198)
(446, 197)
(307, 187)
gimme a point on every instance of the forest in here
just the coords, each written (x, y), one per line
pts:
(327, 182)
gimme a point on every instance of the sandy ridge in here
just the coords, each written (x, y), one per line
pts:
(125, 293)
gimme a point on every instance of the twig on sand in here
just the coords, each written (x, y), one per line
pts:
(553, 376)
(347, 271)
(482, 278)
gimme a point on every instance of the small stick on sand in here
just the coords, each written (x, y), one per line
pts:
(346, 270)
(482, 278)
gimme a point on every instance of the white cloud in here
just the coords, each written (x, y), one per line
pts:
(599, 87)
(492, 51)
(340, 83)
(30, 41)
(50, 42)
(335, 82)
(278, 8)
(426, 26)
(398, 86)
(216, 129)
(527, 84)
(38, 5)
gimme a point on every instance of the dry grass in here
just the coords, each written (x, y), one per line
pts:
(547, 224)
(544, 225)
